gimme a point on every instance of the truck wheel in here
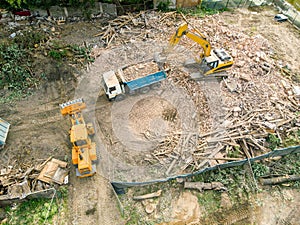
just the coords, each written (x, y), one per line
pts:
(90, 129)
(132, 92)
(120, 97)
(98, 156)
(155, 86)
(108, 97)
(144, 90)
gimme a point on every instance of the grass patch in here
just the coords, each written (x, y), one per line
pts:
(30, 39)
(133, 216)
(71, 53)
(18, 76)
(38, 211)
(273, 141)
(293, 139)
(200, 11)
(15, 69)
(210, 200)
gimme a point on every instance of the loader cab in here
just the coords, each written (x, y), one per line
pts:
(84, 162)
(111, 85)
(79, 136)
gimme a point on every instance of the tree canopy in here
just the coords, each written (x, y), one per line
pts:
(43, 3)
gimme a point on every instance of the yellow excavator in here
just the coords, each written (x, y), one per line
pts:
(84, 155)
(211, 61)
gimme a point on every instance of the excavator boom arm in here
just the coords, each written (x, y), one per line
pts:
(197, 37)
(204, 43)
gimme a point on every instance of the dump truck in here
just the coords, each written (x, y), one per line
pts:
(84, 155)
(131, 79)
(4, 127)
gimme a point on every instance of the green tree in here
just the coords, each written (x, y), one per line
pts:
(16, 3)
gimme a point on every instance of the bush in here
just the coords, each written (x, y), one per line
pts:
(163, 5)
(15, 71)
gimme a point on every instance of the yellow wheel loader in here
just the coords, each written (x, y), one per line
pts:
(84, 155)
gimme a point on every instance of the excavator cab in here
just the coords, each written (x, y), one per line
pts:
(218, 61)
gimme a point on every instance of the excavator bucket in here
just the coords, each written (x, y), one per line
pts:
(73, 106)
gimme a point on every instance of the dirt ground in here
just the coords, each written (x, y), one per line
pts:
(39, 131)
(269, 207)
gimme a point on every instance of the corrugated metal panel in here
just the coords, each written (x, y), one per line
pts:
(147, 80)
(4, 127)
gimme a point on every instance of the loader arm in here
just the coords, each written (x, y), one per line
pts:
(196, 36)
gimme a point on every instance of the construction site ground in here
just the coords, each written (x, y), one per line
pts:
(39, 131)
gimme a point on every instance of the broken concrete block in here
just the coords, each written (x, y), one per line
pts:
(236, 111)
(232, 85)
(19, 190)
(296, 90)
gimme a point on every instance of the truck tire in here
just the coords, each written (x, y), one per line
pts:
(108, 97)
(98, 156)
(144, 90)
(132, 92)
(120, 97)
(155, 86)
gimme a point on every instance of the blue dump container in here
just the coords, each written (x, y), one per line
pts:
(146, 81)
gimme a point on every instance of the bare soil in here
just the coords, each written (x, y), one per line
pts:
(270, 206)
(39, 131)
(147, 117)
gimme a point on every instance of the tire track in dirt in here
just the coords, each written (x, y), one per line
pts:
(93, 200)
(89, 88)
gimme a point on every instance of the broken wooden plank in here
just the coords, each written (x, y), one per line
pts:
(201, 186)
(279, 180)
(171, 166)
(210, 156)
(147, 196)
(49, 173)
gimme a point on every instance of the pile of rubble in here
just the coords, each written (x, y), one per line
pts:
(18, 183)
(132, 72)
(236, 115)
(256, 99)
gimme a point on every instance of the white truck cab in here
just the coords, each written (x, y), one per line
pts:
(111, 85)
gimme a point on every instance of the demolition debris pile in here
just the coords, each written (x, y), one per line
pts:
(18, 183)
(236, 116)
